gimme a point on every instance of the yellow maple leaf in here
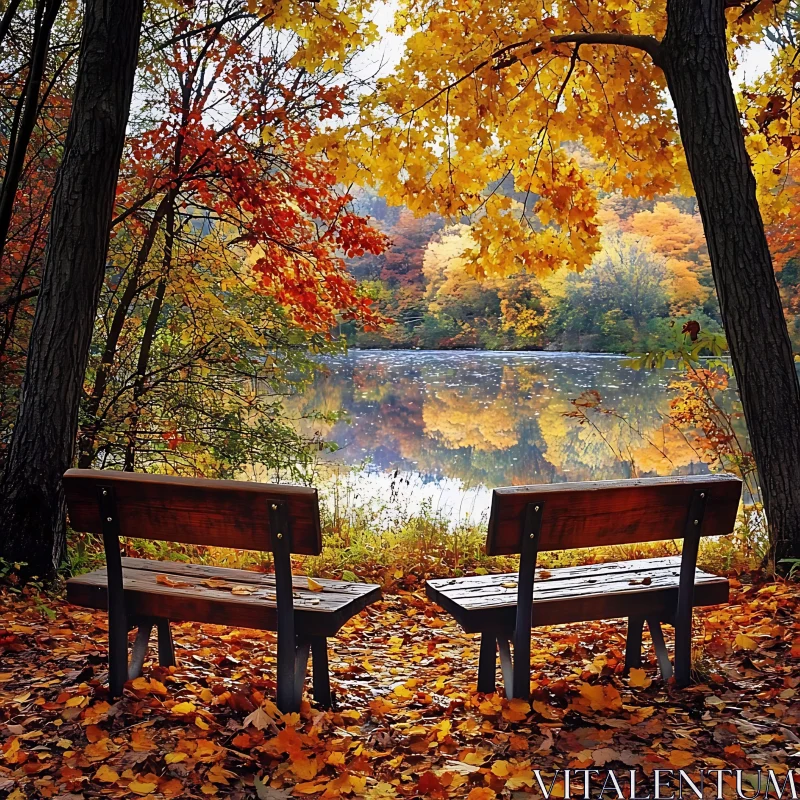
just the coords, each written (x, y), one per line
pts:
(142, 787)
(106, 775)
(304, 767)
(517, 710)
(744, 642)
(401, 692)
(501, 769)
(638, 678)
(601, 698)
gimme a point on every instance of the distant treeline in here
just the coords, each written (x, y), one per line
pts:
(652, 273)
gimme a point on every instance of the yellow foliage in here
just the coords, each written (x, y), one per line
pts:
(486, 100)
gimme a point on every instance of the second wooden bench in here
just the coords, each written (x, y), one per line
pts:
(527, 520)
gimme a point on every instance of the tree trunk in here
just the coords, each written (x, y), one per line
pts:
(42, 444)
(29, 101)
(91, 426)
(140, 384)
(694, 58)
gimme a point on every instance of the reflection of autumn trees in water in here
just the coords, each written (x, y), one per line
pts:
(499, 418)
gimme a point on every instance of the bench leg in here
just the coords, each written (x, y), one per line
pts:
(683, 651)
(506, 665)
(166, 649)
(487, 663)
(300, 669)
(321, 674)
(117, 659)
(140, 646)
(287, 661)
(633, 645)
(657, 635)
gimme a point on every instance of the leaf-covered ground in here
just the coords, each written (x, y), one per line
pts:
(409, 721)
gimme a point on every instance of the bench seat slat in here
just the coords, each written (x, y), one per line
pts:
(316, 613)
(567, 575)
(574, 594)
(240, 576)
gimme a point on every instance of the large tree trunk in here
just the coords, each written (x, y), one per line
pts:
(41, 449)
(694, 58)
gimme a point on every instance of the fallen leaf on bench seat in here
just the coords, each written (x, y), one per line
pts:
(165, 580)
(314, 586)
(216, 583)
(243, 589)
(643, 582)
(544, 575)
(509, 585)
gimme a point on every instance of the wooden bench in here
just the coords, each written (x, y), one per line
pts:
(527, 520)
(249, 516)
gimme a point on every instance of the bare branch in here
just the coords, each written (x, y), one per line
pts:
(649, 44)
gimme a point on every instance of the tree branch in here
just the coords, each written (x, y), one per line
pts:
(649, 44)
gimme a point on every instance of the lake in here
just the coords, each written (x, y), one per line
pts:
(444, 427)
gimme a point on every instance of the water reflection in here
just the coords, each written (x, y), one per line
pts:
(449, 424)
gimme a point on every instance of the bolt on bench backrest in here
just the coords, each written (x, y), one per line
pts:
(603, 513)
(198, 511)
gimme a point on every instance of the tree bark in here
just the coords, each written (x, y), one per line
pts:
(693, 55)
(43, 441)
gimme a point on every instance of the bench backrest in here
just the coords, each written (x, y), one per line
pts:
(195, 510)
(603, 513)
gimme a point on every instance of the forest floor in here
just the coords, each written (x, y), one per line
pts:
(409, 721)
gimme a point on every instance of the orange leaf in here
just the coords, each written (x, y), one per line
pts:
(165, 580)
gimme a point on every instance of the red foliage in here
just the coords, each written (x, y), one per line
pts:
(249, 169)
